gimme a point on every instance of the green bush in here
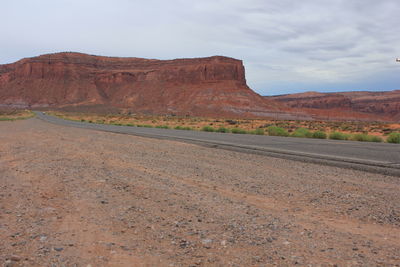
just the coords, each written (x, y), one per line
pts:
(366, 138)
(319, 135)
(338, 136)
(162, 126)
(394, 138)
(145, 125)
(183, 128)
(208, 129)
(359, 137)
(129, 124)
(374, 138)
(257, 131)
(238, 131)
(302, 132)
(277, 131)
(222, 130)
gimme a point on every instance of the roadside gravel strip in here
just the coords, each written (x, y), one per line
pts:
(371, 157)
(77, 197)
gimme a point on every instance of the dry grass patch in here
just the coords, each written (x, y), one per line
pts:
(13, 115)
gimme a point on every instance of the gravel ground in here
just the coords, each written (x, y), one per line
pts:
(76, 197)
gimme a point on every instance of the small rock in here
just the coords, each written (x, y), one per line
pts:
(206, 241)
(184, 244)
(58, 249)
(15, 258)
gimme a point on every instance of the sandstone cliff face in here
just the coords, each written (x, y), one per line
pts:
(376, 105)
(203, 86)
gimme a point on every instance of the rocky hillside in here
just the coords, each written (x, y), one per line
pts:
(202, 86)
(344, 105)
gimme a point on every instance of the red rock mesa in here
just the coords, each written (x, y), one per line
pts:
(213, 86)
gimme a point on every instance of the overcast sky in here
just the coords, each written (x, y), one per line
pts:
(286, 45)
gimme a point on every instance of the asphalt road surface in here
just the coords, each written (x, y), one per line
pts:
(375, 157)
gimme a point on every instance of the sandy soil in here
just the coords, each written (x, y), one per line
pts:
(75, 197)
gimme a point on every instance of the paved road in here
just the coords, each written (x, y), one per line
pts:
(380, 157)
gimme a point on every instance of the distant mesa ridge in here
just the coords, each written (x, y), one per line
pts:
(384, 105)
(211, 86)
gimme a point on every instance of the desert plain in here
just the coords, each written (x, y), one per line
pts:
(78, 197)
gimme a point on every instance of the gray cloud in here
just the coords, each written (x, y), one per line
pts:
(285, 44)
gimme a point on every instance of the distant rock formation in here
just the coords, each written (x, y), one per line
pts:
(213, 86)
(346, 105)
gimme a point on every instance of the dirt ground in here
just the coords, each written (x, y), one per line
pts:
(76, 197)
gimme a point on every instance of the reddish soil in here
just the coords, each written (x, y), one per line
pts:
(76, 197)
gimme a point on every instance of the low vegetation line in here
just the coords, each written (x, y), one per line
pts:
(255, 127)
(16, 115)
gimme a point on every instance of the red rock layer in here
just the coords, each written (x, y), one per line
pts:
(212, 86)
(346, 105)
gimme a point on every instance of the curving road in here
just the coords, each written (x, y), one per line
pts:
(374, 157)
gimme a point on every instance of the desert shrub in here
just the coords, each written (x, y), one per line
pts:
(359, 137)
(147, 126)
(338, 136)
(183, 128)
(302, 132)
(394, 138)
(257, 131)
(222, 130)
(260, 131)
(365, 138)
(319, 135)
(129, 124)
(376, 139)
(208, 129)
(277, 131)
(162, 126)
(238, 131)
